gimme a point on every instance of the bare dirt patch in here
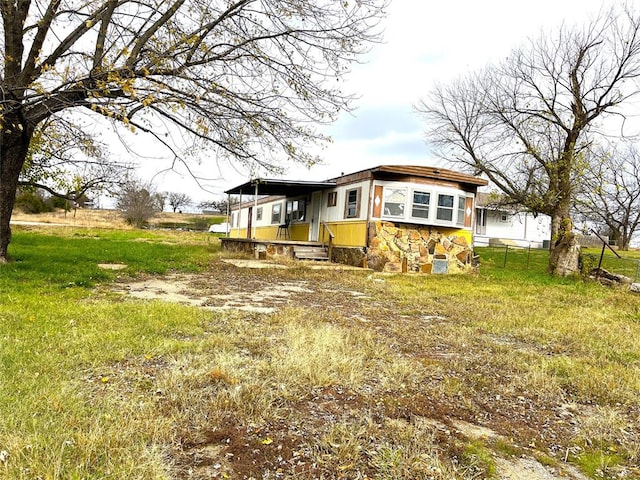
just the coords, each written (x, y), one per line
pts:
(282, 449)
(222, 290)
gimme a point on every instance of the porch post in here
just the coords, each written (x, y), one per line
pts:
(255, 210)
(239, 215)
(228, 229)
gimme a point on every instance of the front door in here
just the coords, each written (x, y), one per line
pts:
(250, 222)
(314, 227)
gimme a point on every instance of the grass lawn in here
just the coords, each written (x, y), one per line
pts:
(363, 376)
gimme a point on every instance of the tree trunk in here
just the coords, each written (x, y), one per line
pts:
(564, 250)
(14, 146)
(624, 240)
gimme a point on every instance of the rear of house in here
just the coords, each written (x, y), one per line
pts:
(392, 218)
(499, 225)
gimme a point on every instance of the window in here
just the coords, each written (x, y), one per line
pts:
(420, 206)
(352, 204)
(276, 211)
(445, 207)
(332, 199)
(394, 202)
(461, 209)
(259, 213)
(296, 210)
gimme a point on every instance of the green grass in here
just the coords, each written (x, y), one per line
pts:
(96, 385)
(72, 260)
(521, 263)
(59, 341)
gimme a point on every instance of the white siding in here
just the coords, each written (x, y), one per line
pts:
(337, 212)
(521, 228)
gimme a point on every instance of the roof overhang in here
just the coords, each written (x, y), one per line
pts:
(289, 188)
(433, 173)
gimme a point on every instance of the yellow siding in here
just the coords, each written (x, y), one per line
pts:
(347, 234)
(457, 232)
(238, 233)
(299, 231)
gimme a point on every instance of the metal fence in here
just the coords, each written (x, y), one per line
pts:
(530, 257)
(512, 256)
(622, 265)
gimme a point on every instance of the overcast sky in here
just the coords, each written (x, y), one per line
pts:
(424, 42)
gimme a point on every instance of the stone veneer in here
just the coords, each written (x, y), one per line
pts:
(403, 248)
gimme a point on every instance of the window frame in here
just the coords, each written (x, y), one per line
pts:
(460, 216)
(296, 210)
(259, 214)
(332, 199)
(278, 219)
(444, 208)
(357, 201)
(422, 205)
(391, 191)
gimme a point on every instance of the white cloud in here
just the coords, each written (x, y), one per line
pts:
(425, 42)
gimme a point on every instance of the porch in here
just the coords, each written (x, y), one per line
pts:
(263, 249)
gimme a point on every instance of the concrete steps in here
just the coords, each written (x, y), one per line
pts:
(311, 252)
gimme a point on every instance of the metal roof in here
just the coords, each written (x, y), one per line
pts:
(435, 173)
(292, 188)
(270, 186)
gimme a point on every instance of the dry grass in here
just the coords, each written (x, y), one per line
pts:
(356, 376)
(80, 218)
(90, 218)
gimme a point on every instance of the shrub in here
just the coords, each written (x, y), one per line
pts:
(30, 201)
(138, 203)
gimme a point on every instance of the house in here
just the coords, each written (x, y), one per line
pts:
(499, 225)
(392, 218)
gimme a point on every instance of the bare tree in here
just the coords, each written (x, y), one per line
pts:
(248, 79)
(610, 194)
(138, 202)
(526, 122)
(177, 200)
(221, 206)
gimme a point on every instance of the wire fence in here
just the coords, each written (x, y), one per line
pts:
(623, 265)
(515, 257)
(532, 257)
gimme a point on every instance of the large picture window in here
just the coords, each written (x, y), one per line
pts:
(394, 201)
(445, 208)
(420, 205)
(296, 210)
(352, 203)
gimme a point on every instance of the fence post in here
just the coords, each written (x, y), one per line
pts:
(601, 258)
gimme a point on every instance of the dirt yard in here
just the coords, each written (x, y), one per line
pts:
(526, 429)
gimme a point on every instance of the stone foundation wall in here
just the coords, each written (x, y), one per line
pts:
(273, 251)
(260, 250)
(353, 256)
(398, 248)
